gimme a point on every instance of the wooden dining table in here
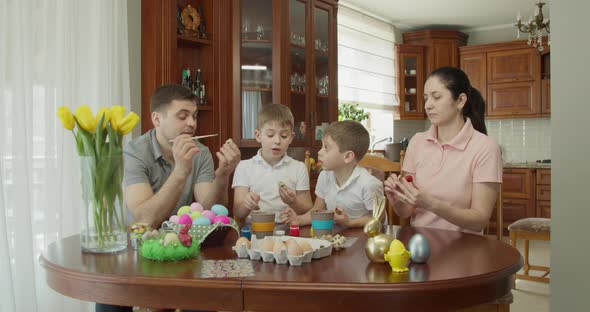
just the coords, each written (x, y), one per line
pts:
(463, 270)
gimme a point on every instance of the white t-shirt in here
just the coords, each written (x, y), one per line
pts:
(355, 196)
(261, 178)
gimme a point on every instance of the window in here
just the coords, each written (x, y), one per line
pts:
(366, 74)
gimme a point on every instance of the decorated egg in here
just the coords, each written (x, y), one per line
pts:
(222, 219)
(196, 207)
(243, 241)
(219, 210)
(195, 214)
(183, 210)
(174, 219)
(185, 219)
(201, 221)
(208, 214)
(419, 248)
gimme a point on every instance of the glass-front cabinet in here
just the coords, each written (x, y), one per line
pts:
(286, 54)
(410, 65)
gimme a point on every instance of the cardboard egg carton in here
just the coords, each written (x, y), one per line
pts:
(320, 248)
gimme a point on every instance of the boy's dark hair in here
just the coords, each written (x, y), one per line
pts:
(349, 135)
(275, 112)
(165, 94)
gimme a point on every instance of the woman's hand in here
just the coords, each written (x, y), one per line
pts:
(389, 186)
(409, 194)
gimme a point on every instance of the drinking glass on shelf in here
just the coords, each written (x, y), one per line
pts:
(245, 28)
(259, 32)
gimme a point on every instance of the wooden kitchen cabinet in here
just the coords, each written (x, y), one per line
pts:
(543, 185)
(474, 65)
(410, 73)
(292, 60)
(513, 65)
(441, 46)
(515, 75)
(526, 193)
(518, 183)
(546, 97)
(512, 99)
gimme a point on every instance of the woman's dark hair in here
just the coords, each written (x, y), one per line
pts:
(456, 81)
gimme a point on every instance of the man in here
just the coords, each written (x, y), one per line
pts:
(165, 168)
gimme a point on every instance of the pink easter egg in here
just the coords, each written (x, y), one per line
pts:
(221, 218)
(196, 207)
(208, 214)
(185, 219)
(174, 219)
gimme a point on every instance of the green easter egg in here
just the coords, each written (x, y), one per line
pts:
(195, 214)
(184, 210)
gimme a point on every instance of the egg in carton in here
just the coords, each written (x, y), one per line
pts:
(267, 249)
(280, 252)
(242, 246)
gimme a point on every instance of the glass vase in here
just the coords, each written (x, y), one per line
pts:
(103, 220)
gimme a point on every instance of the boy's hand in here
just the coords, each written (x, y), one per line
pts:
(341, 217)
(288, 195)
(251, 201)
(289, 216)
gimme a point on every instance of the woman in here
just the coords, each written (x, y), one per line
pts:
(456, 167)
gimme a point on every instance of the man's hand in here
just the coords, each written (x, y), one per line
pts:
(229, 156)
(341, 217)
(183, 150)
(288, 196)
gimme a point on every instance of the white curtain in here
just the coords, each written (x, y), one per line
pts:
(52, 53)
(252, 103)
(366, 71)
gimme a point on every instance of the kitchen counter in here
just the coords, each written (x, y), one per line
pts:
(528, 165)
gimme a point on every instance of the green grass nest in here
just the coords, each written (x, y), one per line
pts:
(153, 250)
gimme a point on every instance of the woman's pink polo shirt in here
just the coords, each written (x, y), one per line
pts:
(448, 171)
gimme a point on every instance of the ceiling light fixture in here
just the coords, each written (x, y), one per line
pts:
(534, 27)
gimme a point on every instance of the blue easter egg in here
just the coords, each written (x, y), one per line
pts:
(201, 221)
(419, 248)
(219, 210)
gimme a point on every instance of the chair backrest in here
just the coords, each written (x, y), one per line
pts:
(381, 168)
(499, 216)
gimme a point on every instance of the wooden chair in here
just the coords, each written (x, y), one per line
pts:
(499, 216)
(381, 168)
(531, 229)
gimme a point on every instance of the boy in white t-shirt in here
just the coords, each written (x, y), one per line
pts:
(271, 180)
(343, 186)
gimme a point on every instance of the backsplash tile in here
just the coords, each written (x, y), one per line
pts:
(521, 140)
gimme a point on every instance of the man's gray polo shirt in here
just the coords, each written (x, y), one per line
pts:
(144, 163)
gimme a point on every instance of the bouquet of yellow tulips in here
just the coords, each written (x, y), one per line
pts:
(99, 145)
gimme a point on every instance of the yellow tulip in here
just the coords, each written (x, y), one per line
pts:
(103, 111)
(66, 117)
(117, 114)
(85, 118)
(128, 123)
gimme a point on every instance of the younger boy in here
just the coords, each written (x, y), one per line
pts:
(272, 181)
(343, 186)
